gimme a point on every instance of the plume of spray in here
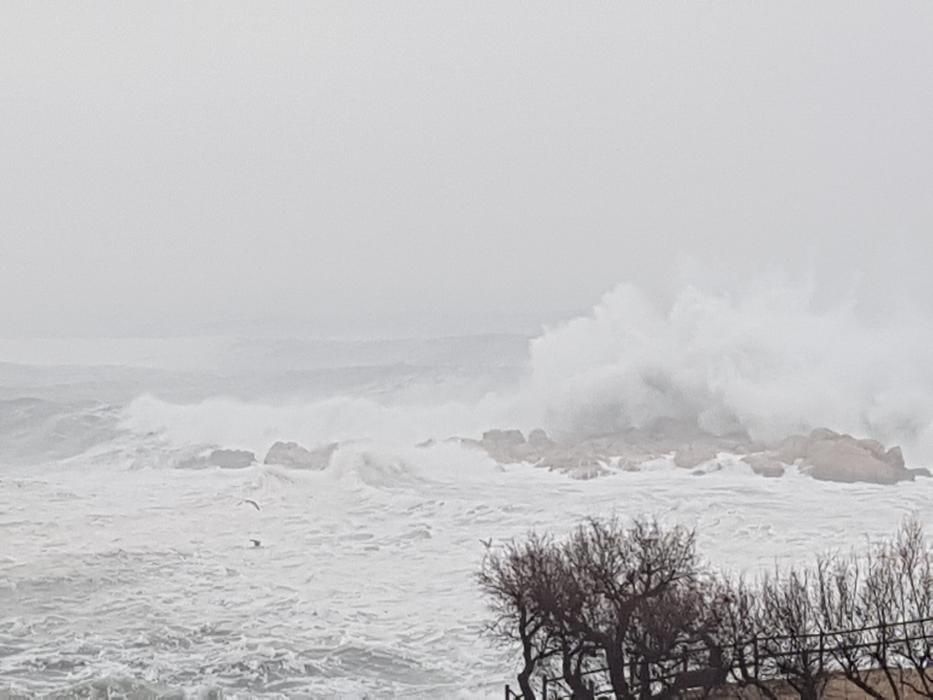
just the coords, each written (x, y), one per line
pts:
(767, 363)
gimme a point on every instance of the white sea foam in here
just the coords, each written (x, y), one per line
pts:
(121, 570)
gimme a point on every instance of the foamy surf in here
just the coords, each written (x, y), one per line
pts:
(128, 563)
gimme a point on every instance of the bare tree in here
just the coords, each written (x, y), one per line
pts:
(561, 599)
(616, 572)
(673, 643)
(509, 579)
(853, 643)
(738, 631)
(632, 606)
(908, 561)
(796, 648)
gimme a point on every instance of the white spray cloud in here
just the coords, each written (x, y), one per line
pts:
(764, 362)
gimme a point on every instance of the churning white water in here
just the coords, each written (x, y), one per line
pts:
(123, 571)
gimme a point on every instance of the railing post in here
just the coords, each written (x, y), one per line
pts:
(822, 660)
(632, 669)
(755, 655)
(508, 692)
(544, 688)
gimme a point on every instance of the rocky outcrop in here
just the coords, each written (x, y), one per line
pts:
(231, 459)
(830, 456)
(510, 447)
(822, 454)
(291, 454)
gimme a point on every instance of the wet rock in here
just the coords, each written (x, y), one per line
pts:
(895, 458)
(291, 454)
(845, 459)
(629, 465)
(791, 448)
(766, 465)
(708, 469)
(539, 440)
(823, 454)
(231, 459)
(695, 454)
(575, 466)
(830, 456)
(506, 446)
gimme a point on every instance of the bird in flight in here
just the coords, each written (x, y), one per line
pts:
(256, 543)
(487, 543)
(251, 502)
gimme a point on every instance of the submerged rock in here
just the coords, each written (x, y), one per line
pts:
(291, 454)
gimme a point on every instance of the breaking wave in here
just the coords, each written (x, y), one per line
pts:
(766, 363)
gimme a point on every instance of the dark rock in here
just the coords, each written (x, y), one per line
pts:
(231, 459)
(765, 465)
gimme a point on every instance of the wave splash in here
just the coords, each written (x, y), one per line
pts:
(765, 364)
(762, 364)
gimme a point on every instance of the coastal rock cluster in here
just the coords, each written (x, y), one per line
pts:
(822, 454)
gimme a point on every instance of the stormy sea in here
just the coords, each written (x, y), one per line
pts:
(284, 515)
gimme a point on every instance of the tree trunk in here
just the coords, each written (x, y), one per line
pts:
(573, 679)
(615, 661)
(524, 682)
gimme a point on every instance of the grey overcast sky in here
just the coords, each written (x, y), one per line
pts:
(170, 165)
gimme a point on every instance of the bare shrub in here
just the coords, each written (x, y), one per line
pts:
(898, 594)
(631, 607)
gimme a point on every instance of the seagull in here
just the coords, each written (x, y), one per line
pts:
(487, 543)
(256, 543)
(251, 502)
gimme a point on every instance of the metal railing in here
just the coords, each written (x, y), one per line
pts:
(762, 658)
